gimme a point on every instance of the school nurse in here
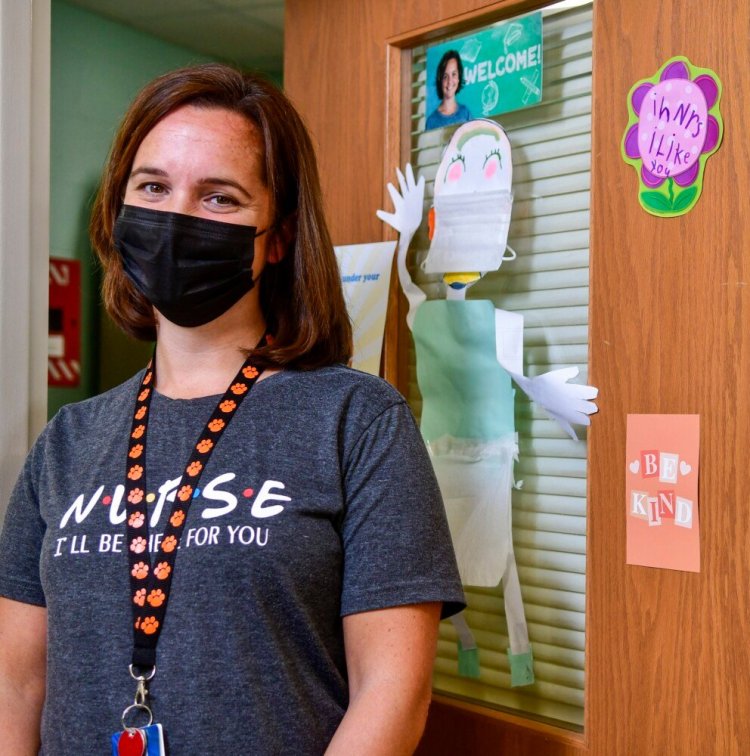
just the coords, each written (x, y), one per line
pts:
(242, 548)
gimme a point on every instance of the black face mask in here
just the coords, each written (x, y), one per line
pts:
(191, 269)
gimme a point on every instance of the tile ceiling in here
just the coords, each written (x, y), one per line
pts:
(247, 32)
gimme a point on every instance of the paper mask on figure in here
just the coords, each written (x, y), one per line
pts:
(472, 201)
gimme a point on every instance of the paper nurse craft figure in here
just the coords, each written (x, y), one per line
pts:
(468, 353)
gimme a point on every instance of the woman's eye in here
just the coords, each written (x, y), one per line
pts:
(152, 188)
(222, 200)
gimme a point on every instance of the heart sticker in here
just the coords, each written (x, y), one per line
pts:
(634, 466)
(132, 743)
(685, 468)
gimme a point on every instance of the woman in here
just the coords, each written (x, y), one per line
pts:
(448, 82)
(314, 558)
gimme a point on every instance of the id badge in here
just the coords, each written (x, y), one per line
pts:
(143, 741)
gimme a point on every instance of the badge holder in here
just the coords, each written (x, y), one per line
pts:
(146, 740)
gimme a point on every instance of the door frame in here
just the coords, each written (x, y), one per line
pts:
(25, 49)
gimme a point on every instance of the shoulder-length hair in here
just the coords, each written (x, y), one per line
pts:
(300, 296)
(449, 55)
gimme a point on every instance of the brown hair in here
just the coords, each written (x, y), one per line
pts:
(301, 295)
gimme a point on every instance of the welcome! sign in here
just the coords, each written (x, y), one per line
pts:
(662, 491)
(501, 66)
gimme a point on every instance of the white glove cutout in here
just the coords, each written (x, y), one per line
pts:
(408, 204)
(564, 402)
(406, 219)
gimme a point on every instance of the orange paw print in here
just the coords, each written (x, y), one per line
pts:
(136, 451)
(184, 493)
(135, 472)
(169, 544)
(156, 597)
(136, 519)
(138, 431)
(177, 519)
(147, 378)
(249, 372)
(162, 570)
(194, 468)
(138, 545)
(228, 405)
(136, 496)
(144, 395)
(141, 413)
(139, 571)
(204, 445)
(149, 625)
(140, 597)
(216, 425)
(238, 388)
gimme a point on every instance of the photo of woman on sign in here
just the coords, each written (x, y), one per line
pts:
(449, 79)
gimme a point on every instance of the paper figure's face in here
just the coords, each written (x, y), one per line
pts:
(470, 217)
(477, 159)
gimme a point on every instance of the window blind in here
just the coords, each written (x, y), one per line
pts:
(548, 284)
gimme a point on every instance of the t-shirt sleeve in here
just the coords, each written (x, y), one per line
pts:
(21, 538)
(397, 548)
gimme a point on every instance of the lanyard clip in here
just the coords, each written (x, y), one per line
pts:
(140, 702)
(141, 691)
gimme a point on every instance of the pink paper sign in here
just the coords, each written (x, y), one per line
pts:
(662, 491)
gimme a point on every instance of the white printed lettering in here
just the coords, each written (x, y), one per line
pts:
(117, 515)
(167, 492)
(259, 510)
(211, 492)
(78, 509)
(637, 506)
(683, 515)
(668, 467)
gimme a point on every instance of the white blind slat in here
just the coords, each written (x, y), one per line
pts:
(553, 504)
(545, 447)
(559, 466)
(539, 539)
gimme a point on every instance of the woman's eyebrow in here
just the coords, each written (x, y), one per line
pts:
(219, 181)
(147, 170)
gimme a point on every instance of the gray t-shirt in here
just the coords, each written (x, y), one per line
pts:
(319, 501)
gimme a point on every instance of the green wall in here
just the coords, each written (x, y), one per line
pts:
(97, 67)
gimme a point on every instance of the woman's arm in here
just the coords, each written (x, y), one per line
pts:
(389, 656)
(23, 665)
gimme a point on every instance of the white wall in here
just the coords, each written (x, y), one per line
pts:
(24, 229)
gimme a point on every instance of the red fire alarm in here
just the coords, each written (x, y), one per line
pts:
(64, 359)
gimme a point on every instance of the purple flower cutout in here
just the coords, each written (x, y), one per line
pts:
(674, 127)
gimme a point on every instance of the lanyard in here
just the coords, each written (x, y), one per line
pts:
(151, 578)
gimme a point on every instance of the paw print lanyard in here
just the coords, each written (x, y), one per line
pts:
(151, 578)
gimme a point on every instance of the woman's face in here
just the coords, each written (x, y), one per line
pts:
(204, 162)
(450, 79)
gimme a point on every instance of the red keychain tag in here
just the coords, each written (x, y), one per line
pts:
(132, 743)
(143, 741)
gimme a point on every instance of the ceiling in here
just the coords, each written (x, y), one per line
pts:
(249, 33)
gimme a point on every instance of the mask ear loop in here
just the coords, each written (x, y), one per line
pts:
(506, 256)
